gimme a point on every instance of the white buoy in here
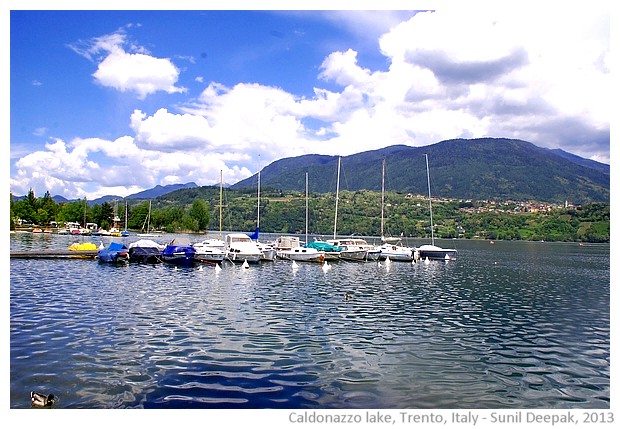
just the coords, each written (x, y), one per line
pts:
(326, 266)
(245, 264)
(295, 266)
(388, 260)
(217, 267)
(200, 268)
(426, 261)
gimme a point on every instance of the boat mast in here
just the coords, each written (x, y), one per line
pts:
(306, 207)
(258, 206)
(382, 193)
(125, 215)
(148, 225)
(220, 204)
(337, 190)
(430, 206)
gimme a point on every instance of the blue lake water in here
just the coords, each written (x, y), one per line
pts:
(509, 325)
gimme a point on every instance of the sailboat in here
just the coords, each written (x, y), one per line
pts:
(430, 251)
(212, 250)
(392, 247)
(289, 247)
(350, 249)
(125, 233)
(268, 251)
(331, 251)
(147, 223)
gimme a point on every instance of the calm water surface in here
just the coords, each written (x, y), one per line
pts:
(509, 325)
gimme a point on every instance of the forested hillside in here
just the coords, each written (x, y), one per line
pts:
(480, 169)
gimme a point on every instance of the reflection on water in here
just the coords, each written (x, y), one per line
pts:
(514, 325)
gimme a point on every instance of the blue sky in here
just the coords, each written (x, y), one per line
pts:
(117, 101)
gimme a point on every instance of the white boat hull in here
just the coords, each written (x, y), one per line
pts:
(437, 253)
(241, 257)
(210, 257)
(210, 251)
(353, 255)
(396, 253)
(268, 252)
(301, 254)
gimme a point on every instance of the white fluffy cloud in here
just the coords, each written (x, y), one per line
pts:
(139, 73)
(134, 71)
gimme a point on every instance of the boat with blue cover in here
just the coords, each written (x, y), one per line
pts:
(179, 252)
(147, 251)
(115, 253)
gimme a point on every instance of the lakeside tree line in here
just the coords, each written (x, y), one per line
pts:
(359, 213)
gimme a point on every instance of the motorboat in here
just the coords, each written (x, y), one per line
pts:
(353, 249)
(268, 251)
(179, 252)
(114, 254)
(83, 246)
(145, 251)
(397, 252)
(240, 248)
(289, 247)
(332, 252)
(210, 251)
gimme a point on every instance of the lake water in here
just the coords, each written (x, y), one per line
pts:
(508, 325)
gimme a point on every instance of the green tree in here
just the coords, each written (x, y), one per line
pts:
(137, 218)
(12, 213)
(74, 211)
(48, 209)
(107, 215)
(200, 213)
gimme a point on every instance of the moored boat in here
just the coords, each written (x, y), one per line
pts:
(115, 253)
(397, 252)
(431, 251)
(435, 252)
(210, 251)
(392, 247)
(145, 251)
(179, 252)
(332, 252)
(267, 250)
(289, 247)
(353, 249)
(83, 246)
(240, 248)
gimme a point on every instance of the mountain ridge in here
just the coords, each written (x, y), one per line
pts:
(155, 192)
(477, 169)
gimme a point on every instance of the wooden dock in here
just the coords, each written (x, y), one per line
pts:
(54, 254)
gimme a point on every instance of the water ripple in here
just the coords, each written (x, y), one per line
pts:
(512, 328)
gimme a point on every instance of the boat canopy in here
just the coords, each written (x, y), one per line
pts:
(117, 246)
(323, 246)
